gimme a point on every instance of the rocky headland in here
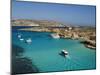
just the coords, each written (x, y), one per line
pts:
(86, 34)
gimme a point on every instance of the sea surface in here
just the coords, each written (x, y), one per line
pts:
(44, 52)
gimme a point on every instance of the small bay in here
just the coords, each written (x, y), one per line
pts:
(44, 52)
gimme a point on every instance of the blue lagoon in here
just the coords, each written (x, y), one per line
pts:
(44, 52)
(52, 37)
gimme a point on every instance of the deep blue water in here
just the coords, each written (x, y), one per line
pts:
(44, 52)
(14, 28)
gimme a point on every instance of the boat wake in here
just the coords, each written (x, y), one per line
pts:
(71, 63)
(68, 57)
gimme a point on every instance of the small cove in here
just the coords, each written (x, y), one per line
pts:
(44, 52)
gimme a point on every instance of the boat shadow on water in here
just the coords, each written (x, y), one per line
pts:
(63, 55)
(20, 63)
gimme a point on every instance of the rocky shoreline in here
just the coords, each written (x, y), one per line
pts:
(89, 44)
(86, 33)
(69, 35)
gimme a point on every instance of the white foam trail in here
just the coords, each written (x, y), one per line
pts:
(68, 57)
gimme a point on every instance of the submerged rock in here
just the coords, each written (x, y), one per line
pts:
(21, 64)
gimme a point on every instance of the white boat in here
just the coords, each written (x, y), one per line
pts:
(64, 52)
(29, 40)
(54, 35)
(19, 36)
(21, 39)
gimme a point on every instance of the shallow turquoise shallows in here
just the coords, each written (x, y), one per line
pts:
(44, 52)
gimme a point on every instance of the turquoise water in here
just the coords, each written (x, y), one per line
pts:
(44, 52)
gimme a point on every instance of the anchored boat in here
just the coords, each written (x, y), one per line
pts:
(21, 39)
(55, 36)
(19, 36)
(29, 40)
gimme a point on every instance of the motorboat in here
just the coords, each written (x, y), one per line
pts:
(63, 53)
(29, 40)
(21, 39)
(19, 35)
(54, 35)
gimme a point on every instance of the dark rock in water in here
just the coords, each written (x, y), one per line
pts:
(17, 50)
(89, 44)
(21, 64)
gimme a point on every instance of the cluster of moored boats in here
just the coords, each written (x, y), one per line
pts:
(28, 40)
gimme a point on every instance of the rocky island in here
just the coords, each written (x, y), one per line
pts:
(86, 34)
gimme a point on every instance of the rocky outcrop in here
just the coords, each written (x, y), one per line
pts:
(89, 43)
(85, 33)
